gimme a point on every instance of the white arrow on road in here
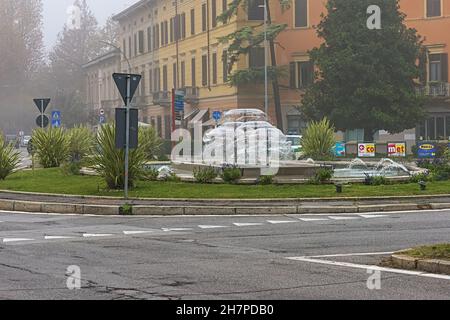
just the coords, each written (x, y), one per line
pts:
(281, 222)
(93, 235)
(248, 224)
(57, 237)
(127, 233)
(211, 227)
(7, 240)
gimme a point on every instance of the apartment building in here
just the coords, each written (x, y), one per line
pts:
(174, 45)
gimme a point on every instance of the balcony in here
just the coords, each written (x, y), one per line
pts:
(191, 95)
(162, 98)
(435, 89)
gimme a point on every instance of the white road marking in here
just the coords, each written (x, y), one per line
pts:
(57, 237)
(129, 233)
(312, 219)
(353, 254)
(343, 218)
(248, 224)
(370, 267)
(371, 216)
(281, 222)
(211, 227)
(176, 229)
(7, 240)
(93, 235)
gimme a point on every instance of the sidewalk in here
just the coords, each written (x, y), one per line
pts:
(46, 203)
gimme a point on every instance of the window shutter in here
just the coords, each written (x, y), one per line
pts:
(444, 66)
(292, 79)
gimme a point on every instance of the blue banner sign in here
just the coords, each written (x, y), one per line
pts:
(339, 149)
(426, 150)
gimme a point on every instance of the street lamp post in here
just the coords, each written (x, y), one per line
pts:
(266, 59)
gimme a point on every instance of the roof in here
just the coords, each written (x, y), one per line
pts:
(109, 55)
(125, 13)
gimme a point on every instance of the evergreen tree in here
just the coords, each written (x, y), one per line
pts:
(366, 78)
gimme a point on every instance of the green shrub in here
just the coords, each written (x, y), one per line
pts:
(152, 142)
(440, 172)
(318, 140)
(205, 174)
(9, 158)
(416, 178)
(151, 174)
(109, 162)
(231, 174)
(265, 180)
(172, 177)
(323, 175)
(379, 181)
(51, 146)
(81, 143)
(126, 210)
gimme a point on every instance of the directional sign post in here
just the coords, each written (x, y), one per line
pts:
(127, 85)
(56, 119)
(42, 105)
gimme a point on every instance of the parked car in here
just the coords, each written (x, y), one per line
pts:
(25, 141)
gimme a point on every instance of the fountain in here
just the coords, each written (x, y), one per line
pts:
(360, 169)
(246, 139)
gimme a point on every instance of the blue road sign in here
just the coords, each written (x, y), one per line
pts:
(56, 119)
(179, 101)
(102, 120)
(217, 115)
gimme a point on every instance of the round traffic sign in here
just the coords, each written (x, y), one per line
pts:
(42, 120)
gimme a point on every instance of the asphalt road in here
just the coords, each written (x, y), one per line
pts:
(258, 258)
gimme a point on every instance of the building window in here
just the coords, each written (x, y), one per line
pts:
(204, 70)
(135, 45)
(256, 10)
(301, 13)
(439, 67)
(193, 71)
(166, 27)
(150, 81)
(192, 22)
(183, 25)
(214, 68)
(214, 13)
(224, 6)
(183, 74)
(172, 23)
(149, 39)
(301, 74)
(124, 47)
(165, 84)
(129, 47)
(159, 125)
(256, 57)
(204, 13)
(433, 8)
(141, 41)
(225, 66)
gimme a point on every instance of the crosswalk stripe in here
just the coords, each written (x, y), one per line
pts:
(7, 240)
(312, 219)
(136, 232)
(372, 216)
(176, 229)
(211, 227)
(344, 218)
(92, 235)
(281, 222)
(57, 237)
(248, 224)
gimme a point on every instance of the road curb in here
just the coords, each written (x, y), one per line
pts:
(150, 210)
(427, 265)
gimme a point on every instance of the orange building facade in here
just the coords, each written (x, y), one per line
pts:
(193, 63)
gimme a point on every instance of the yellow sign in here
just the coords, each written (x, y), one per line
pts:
(366, 150)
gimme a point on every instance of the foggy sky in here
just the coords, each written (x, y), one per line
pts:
(55, 14)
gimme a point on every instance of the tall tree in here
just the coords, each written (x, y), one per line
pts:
(21, 54)
(250, 37)
(74, 48)
(366, 78)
